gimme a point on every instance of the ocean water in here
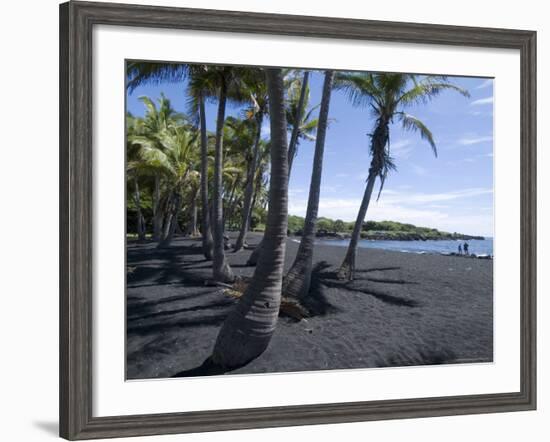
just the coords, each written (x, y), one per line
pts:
(476, 246)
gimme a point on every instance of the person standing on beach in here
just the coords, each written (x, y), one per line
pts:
(466, 248)
(460, 249)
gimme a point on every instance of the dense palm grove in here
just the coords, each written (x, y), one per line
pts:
(184, 178)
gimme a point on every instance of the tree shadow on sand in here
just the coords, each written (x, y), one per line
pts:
(163, 326)
(317, 302)
(210, 306)
(330, 279)
(207, 368)
(425, 353)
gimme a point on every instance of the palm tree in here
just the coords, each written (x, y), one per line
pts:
(302, 123)
(256, 87)
(239, 136)
(298, 279)
(223, 78)
(166, 145)
(154, 73)
(303, 127)
(133, 167)
(199, 89)
(388, 95)
(179, 163)
(247, 330)
(146, 133)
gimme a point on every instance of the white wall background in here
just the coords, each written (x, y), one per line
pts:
(29, 220)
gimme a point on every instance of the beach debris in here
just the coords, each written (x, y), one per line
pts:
(237, 289)
(293, 309)
(130, 269)
(289, 307)
(211, 282)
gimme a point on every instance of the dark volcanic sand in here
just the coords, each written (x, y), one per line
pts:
(403, 309)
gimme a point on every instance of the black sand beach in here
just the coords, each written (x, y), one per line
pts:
(402, 309)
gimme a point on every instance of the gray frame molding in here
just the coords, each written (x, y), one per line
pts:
(76, 22)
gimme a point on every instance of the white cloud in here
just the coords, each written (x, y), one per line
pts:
(482, 101)
(468, 141)
(295, 192)
(481, 113)
(401, 149)
(331, 189)
(486, 83)
(421, 209)
(419, 170)
(412, 198)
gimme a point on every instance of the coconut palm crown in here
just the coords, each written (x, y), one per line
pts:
(388, 96)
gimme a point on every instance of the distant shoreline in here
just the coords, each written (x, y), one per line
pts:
(475, 251)
(399, 236)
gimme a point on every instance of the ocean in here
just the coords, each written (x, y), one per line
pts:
(476, 246)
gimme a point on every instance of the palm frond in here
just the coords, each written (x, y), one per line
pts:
(411, 123)
(360, 88)
(140, 73)
(428, 88)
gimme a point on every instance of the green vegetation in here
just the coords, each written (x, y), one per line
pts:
(381, 230)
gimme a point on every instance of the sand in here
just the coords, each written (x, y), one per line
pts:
(403, 309)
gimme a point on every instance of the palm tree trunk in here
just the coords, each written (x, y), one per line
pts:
(165, 214)
(379, 141)
(205, 212)
(140, 220)
(257, 188)
(255, 255)
(347, 269)
(220, 268)
(171, 221)
(232, 200)
(298, 279)
(193, 231)
(247, 330)
(156, 211)
(178, 230)
(296, 129)
(249, 191)
(253, 258)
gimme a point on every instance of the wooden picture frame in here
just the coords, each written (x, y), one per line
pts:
(76, 22)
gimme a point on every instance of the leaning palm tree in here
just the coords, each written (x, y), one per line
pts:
(298, 279)
(247, 330)
(389, 95)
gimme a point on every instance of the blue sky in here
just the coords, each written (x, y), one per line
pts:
(453, 192)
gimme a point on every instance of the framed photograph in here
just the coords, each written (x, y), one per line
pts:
(272, 220)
